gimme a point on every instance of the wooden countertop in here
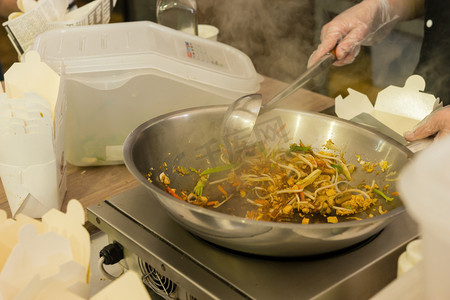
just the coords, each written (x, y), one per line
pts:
(92, 185)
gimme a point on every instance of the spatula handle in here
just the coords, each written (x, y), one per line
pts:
(324, 63)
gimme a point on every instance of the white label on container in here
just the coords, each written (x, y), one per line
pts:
(203, 54)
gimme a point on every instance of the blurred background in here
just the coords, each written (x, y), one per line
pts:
(280, 35)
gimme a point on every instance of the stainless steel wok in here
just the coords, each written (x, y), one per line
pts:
(190, 138)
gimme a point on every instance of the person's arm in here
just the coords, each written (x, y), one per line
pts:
(437, 123)
(7, 7)
(362, 24)
(407, 9)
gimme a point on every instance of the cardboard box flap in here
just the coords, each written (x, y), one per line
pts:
(399, 108)
(408, 101)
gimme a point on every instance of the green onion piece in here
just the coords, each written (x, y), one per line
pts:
(388, 199)
(338, 167)
(198, 189)
(297, 148)
(218, 169)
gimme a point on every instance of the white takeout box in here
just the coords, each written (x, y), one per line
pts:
(32, 167)
(34, 254)
(117, 76)
(32, 75)
(9, 229)
(50, 259)
(398, 108)
(42, 256)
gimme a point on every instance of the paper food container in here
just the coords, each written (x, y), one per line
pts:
(397, 109)
(31, 158)
(39, 255)
(50, 259)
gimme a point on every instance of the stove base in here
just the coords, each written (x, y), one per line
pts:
(179, 265)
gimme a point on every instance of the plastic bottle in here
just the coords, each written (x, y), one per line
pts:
(178, 14)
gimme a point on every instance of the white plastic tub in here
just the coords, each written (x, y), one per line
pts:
(116, 76)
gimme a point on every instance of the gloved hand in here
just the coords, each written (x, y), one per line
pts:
(362, 24)
(438, 122)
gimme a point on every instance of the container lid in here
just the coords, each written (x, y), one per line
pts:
(144, 44)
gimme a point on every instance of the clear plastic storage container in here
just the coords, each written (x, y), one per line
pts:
(117, 76)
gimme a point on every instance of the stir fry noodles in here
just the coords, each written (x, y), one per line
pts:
(283, 183)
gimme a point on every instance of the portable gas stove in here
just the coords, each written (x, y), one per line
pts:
(179, 265)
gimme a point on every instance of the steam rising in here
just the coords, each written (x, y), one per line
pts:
(277, 35)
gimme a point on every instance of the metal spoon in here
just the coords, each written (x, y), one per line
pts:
(241, 115)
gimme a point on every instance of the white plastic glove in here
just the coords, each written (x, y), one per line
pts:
(362, 24)
(438, 122)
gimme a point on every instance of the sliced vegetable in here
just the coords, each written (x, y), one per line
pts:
(346, 172)
(173, 193)
(309, 179)
(302, 196)
(388, 199)
(218, 169)
(337, 167)
(222, 190)
(298, 148)
(198, 189)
